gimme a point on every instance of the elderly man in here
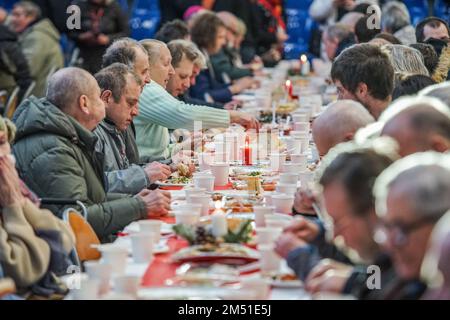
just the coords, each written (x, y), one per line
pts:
(40, 43)
(395, 19)
(160, 111)
(364, 73)
(418, 124)
(411, 196)
(440, 91)
(55, 152)
(338, 123)
(131, 53)
(120, 90)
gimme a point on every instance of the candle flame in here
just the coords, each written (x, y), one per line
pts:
(304, 58)
(288, 83)
(218, 205)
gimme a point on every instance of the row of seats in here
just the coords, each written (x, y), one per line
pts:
(300, 26)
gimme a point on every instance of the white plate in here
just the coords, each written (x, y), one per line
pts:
(125, 242)
(186, 293)
(286, 284)
(166, 228)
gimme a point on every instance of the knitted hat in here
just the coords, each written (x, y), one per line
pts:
(7, 126)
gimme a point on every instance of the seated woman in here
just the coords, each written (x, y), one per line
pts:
(208, 33)
(34, 244)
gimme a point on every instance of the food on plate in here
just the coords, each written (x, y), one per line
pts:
(183, 175)
(269, 185)
(224, 250)
(285, 277)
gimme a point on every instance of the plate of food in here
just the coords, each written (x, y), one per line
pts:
(180, 178)
(227, 253)
(285, 280)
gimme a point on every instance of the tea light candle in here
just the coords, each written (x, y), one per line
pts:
(219, 224)
(305, 68)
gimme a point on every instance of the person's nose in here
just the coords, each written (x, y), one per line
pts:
(171, 71)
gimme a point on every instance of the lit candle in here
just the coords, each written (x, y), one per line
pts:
(247, 152)
(219, 221)
(289, 88)
(305, 65)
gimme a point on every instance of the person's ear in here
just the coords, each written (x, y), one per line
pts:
(349, 136)
(362, 89)
(439, 143)
(83, 103)
(106, 96)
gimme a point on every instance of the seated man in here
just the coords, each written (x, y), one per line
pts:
(55, 151)
(160, 111)
(40, 43)
(411, 196)
(418, 124)
(121, 89)
(364, 73)
(29, 236)
(338, 123)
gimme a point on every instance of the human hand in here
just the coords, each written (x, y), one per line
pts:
(328, 276)
(103, 39)
(244, 119)
(304, 200)
(157, 171)
(157, 202)
(286, 243)
(303, 229)
(10, 192)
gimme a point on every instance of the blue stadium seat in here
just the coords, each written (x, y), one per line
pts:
(7, 4)
(145, 18)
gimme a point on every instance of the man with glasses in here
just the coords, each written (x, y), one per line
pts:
(409, 203)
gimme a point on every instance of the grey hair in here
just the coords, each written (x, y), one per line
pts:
(30, 8)
(341, 117)
(67, 85)
(153, 48)
(405, 60)
(339, 31)
(426, 188)
(395, 15)
(114, 78)
(122, 51)
(183, 48)
(440, 91)
(351, 18)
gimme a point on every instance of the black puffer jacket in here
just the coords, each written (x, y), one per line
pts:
(13, 65)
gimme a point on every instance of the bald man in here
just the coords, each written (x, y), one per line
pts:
(339, 123)
(419, 128)
(55, 152)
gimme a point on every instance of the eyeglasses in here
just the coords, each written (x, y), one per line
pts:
(400, 233)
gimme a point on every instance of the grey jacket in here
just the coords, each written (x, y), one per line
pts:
(120, 175)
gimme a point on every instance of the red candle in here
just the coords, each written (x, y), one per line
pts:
(247, 152)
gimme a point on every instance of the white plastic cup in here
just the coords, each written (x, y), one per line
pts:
(306, 177)
(220, 171)
(202, 199)
(292, 168)
(204, 182)
(101, 272)
(300, 117)
(299, 134)
(127, 284)
(270, 262)
(151, 226)
(300, 158)
(116, 257)
(188, 218)
(260, 212)
(275, 221)
(260, 288)
(277, 161)
(204, 160)
(301, 126)
(289, 189)
(142, 246)
(88, 289)
(289, 178)
(293, 145)
(193, 208)
(283, 203)
(192, 191)
(268, 198)
(267, 235)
